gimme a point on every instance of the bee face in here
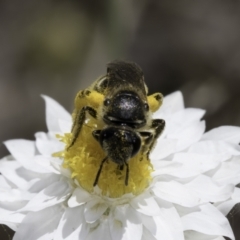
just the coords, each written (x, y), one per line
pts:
(119, 100)
(125, 142)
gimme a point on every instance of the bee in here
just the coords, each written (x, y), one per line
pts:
(120, 102)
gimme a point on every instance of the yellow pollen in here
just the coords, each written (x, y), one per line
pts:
(84, 159)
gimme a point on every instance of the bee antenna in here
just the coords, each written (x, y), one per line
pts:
(99, 171)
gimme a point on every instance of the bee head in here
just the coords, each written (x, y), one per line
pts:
(120, 144)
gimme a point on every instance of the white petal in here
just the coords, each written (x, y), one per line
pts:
(157, 227)
(10, 218)
(215, 147)
(44, 182)
(189, 135)
(79, 197)
(226, 206)
(228, 173)
(8, 169)
(13, 195)
(16, 174)
(72, 225)
(219, 238)
(209, 221)
(57, 163)
(125, 223)
(11, 207)
(225, 133)
(8, 214)
(94, 209)
(21, 148)
(190, 235)
(171, 103)
(236, 194)
(208, 191)
(3, 182)
(147, 235)
(194, 164)
(166, 167)
(167, 225)
(52, 195)
(23, 151)
(171, 217)
(163, 148)
(48, 146)
(100, 232)
(13, 226)
(45, 162)
(183, 118)
(116, 223)
(39, 225)
(176, 193)
(54, 112)
(146, 204)
(65, 126)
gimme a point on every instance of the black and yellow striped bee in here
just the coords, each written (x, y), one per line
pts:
(119, 101)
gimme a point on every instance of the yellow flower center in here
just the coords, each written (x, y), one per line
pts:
(84, 159)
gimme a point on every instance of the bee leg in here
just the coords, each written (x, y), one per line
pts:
(80, 102)
(147, 138)
(158, 127)
(99, 171)
(127, 173)
(86, 98)
(80, 121)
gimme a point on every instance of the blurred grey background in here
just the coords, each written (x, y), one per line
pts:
(58, 47)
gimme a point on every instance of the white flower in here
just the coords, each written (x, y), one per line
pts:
(40, 197)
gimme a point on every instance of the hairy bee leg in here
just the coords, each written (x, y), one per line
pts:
(80, 121)
(147, 138)
(158, 126)
(81, 95)
(99, 171)
(127, 173)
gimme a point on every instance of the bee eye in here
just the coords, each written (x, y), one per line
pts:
(146, 107)
(106, 102)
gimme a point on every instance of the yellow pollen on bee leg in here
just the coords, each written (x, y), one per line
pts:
(155, 101)
(84, 159)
